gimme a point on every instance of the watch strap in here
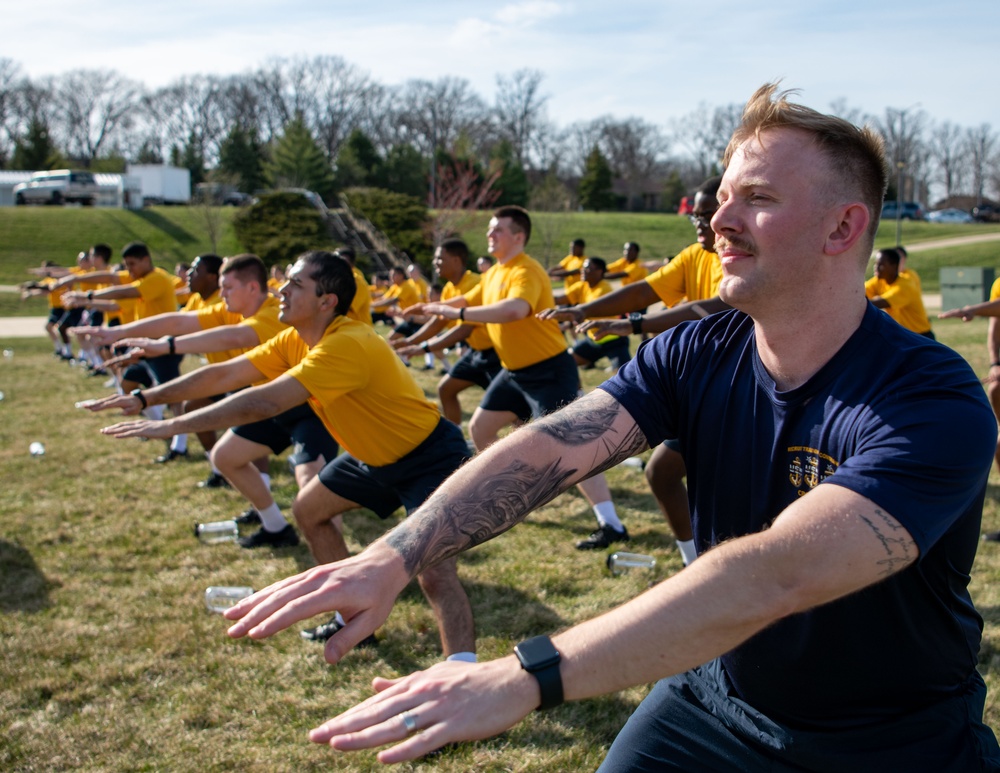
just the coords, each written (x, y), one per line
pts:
(546, 674)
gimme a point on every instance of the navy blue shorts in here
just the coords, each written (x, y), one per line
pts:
(299, 427)
(615, 350)
(694, 721)
(55, 315)
(71, 318)
(155, 370)
(535, 391)
(407, 328)
(404, 483)
(477, 367)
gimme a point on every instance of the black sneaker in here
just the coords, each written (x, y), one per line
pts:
(214, 481)
(603, 538)
(248, 517)
(170, 455)
(323, 632)
(991, 536)
(286, 538)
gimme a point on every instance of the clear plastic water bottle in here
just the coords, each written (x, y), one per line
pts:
(219, 598)
(618, 562)
(36, 449)
(635, 462)
(217, 531)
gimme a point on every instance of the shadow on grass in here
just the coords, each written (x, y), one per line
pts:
(168, 227)
(25, 587)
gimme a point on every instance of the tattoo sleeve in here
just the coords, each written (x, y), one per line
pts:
(486, 506)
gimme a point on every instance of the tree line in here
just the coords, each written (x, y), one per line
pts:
(322, 123)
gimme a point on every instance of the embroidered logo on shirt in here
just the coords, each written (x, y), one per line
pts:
(808, 467)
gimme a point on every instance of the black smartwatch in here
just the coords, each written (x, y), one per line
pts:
(540, 658)
(142, 398)
(635, 318)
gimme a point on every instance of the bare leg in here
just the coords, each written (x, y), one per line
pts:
(451, 607)
(485, 426)
(315, 510)
(448, 390)
(233, 456)
(665, 473)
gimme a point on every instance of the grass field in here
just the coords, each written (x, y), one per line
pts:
(109, 660)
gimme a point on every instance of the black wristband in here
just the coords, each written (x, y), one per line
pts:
(636, 319)
(90, 295)
(540, 658)
(142, 398)
(461, 314)
(426, 346)
(170, 342)
(995, 364)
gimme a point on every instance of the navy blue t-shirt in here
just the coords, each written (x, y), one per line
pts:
(893, 416)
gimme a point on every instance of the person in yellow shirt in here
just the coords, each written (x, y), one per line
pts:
(538, 374)
(990, 309)
(276, 280)
(592, 347)
(896, 295)
(627, 267)
(399, 448)
(181, 291)
(479, 364)
(416, 275)
(569, 267)
(401, 294)
(693, 276)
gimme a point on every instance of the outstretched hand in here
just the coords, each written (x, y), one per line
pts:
(964, 314)
(605, 327)
(562, 314)
(446, 703)
(144, 428)
(363, 589)
(129, 405)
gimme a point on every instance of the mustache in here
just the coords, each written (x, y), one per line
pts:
(744, 245)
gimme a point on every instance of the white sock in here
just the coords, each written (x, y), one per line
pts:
(154, 412)
(607, 516)
(429, 360)
(272, 519)
(267, 480)
(688, 551)
(179, 443)
(463, 657)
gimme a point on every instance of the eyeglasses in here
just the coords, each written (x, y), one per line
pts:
(704, 219)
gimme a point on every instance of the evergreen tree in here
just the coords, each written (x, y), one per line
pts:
(358, 162)
(512, 182)
(241, 159)
(405, 171)
(673, 192)
(298, 162)
(595, 185)
(36, 151)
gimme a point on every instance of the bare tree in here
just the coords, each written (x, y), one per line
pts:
(903, 133)
(949, 154)
(981, 143)
(190, 110)
(705, 133)
(459, 194)
(94, 105)
(519, 110)
(633, 148)
(10, 75)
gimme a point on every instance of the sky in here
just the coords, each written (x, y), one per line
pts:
(653, 59)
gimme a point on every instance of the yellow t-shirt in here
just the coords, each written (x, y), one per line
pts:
(572, 264)
(195, 302)
(634, 272)
(358, 386)
(405, 295)
(695, 274)
(127, 307)
(995, 290)
(421, 284)
(526, 341)
(156, 291)
(581, 292)
(361, 306)
(480, 337)
(181, 292)
(264, 322)
(906, 306)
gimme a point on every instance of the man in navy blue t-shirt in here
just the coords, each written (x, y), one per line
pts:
(837, 466)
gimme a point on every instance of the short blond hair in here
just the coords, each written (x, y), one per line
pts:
(857, 155)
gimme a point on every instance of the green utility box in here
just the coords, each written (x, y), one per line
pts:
(965, 286)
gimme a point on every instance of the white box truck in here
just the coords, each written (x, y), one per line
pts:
(162, 184)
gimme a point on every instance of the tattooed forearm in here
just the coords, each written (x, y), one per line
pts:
(620, 449)
(576, 424)
(899, 547)
(447, 525)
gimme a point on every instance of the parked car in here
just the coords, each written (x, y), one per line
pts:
(949, 216)
(986, 213)
(911, 211)
(60, 186)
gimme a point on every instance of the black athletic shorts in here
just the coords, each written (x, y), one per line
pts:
(535, 391)
(299, 427)
(615, 350)
(155, 370)
(478, 367)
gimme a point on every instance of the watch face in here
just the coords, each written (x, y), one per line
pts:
(536, 653)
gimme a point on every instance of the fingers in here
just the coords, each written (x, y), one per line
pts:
(281, 605)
